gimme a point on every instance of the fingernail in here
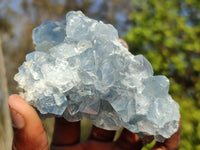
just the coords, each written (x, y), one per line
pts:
(14, 147)
(17, 119)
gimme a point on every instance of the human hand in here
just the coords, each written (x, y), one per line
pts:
(29, 133)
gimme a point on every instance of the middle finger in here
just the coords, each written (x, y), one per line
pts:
(99, 134)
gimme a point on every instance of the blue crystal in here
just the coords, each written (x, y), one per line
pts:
(81, 68)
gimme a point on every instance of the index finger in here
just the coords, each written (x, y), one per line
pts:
(66, 133)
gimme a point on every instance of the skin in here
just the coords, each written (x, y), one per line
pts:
(31, 135)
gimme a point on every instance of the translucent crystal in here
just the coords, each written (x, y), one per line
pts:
(81, 68)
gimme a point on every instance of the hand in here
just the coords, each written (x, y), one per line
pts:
(29, 133)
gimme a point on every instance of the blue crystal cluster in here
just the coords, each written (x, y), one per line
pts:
(81, 69)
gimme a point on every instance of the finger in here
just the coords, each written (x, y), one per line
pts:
(125, 43)
(96, 145)
(147, 139)
(129, 140)
(170, 144)
(29, 133)
(66, 133)
(73, 147)
(99, 134)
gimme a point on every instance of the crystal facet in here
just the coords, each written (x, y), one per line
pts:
(81, 68)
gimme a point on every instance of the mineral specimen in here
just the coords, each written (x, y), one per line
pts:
(81, 68)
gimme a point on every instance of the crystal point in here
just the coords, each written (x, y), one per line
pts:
(80, 68)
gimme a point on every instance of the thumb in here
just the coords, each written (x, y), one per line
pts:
(29, 133)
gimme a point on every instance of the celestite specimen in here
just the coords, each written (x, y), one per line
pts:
(81, 68)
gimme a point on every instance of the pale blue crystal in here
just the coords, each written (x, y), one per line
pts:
(81, 68)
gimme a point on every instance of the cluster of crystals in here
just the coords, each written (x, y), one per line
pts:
(81, 68)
